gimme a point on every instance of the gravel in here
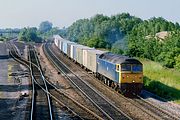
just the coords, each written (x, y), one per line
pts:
(171, 107)
(12, 105)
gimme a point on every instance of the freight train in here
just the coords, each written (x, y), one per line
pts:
(122, 73)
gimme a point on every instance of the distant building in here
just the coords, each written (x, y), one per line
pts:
(162, 35)
(4, 54)
(159, 36)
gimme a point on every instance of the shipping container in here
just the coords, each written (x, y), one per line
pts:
(92, 56)
(58, 43)
(85, 57)
(74, 51)
(69, 49)
(61, 44)
(57, 38)
(64, 46)
(55, 42)
(81, 55)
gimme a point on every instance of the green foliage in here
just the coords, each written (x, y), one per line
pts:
(96, 42)
(170, 51)
(129, 35)
(106, 30)
(153, 26)
(161, 81)
(162, 90)
(177, 62)
(45, 26)
(29, 35)
(142, 41)
(50, 33)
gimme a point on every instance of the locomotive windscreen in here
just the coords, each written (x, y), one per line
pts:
(125, 67)
(137, 68)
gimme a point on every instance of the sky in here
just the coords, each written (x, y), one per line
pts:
(62, 13)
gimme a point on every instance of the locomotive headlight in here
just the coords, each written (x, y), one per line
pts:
(133, 81)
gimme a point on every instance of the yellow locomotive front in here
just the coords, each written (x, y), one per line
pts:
(131, 77)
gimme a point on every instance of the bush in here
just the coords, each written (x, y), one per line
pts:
(161, 89)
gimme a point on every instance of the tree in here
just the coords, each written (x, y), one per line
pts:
(45, 26)
(29, 35)
(102, 28)
(96, 42)
(177, 64)
(108, 32)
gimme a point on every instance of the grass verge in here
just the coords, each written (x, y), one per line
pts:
(162, 81)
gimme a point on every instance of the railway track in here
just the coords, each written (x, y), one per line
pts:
(41, 106)
(109, 110)
(162, 114)
(139, 102)
(154, 111)
(15, 55)
(33, 67)
(149, 108)
(57, 95)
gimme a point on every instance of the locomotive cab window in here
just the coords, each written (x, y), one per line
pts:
(137, 68)
(125, 67)
(117, 67)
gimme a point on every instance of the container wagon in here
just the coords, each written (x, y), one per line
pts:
(65, 46)
(81, 54)
(69, 49)
(92, 56)
(74, 51)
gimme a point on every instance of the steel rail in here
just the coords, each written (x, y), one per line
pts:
(43, 78)
(133, 102)
(32, 77)
(46, 47)
(165, 114)
(58, 90)
(56, 99)
(89, 111)
(33, 102)
(64, 93)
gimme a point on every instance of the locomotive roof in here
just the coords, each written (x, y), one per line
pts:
(118, 59)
